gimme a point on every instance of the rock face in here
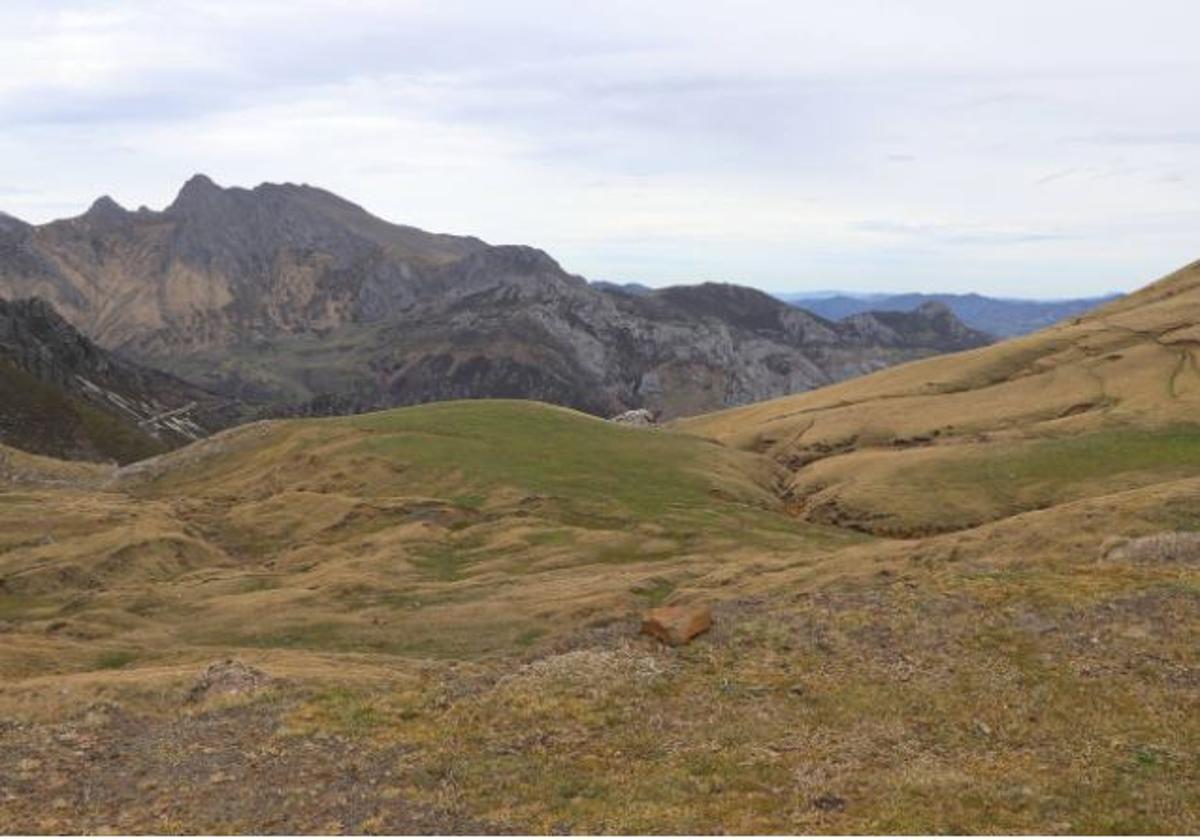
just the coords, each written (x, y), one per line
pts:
(676, 625)
(62, 395)
(289, 295)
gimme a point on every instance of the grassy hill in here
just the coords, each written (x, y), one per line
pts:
(450, 529)
(1103, 403)
(943, 599)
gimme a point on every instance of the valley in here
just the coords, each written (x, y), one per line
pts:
(599, 419)
(958, 595)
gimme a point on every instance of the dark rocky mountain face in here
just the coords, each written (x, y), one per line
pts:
(62, 395)
(287, 295)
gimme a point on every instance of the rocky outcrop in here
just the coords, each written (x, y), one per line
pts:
(290, 296)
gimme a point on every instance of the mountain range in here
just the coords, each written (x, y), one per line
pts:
(956, 596)
(292, 300)
(1003, 317)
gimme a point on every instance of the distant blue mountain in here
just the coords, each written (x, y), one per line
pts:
(1002, 317)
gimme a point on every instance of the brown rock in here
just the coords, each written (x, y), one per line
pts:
(676, 625)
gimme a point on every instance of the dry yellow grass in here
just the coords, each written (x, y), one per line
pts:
(1091, 406)
(458, 530)
(923, 622)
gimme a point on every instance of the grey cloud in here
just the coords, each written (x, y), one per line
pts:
(1134, 138)
(951, 235)
(792, 120)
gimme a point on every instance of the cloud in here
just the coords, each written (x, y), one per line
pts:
(1136, 138)
(1007, 142)
(956, 235)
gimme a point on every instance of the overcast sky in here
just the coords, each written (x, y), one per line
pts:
(1039, 149)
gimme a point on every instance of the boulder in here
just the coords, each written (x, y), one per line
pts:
(635, 417)
(676, 625)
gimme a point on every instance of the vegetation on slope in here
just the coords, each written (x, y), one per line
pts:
(1103, 403)
(40, 418)
(450, 596)
(454, 529)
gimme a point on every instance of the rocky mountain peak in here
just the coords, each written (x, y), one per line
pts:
(199, 182)
(105, 210)
(941, 318)
(424, 315)
(198, 193)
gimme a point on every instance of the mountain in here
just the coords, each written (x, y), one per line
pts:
(1002, 317)
(532, 331)
(627, 288)
(221, 265)
(290, 297)
(62, 395)
(1103, 403)
(958, 596)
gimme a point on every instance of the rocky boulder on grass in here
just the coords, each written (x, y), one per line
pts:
(635, 417)
(676, 625)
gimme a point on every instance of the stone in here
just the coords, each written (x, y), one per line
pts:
(829, 802)
(676, 625)
(635, 417)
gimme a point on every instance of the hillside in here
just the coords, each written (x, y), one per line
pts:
(425, 517)
(1001, 317)
(292, 298)
(1103, 403)
(431, 613)
(62, 395)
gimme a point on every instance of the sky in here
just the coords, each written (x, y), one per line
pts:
(1027, 149)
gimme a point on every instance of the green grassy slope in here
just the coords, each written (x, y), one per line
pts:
(39, 418)
(451, 529)
(1102, 403)
(453, 590)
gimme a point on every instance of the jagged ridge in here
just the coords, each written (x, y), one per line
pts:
(289, 295)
